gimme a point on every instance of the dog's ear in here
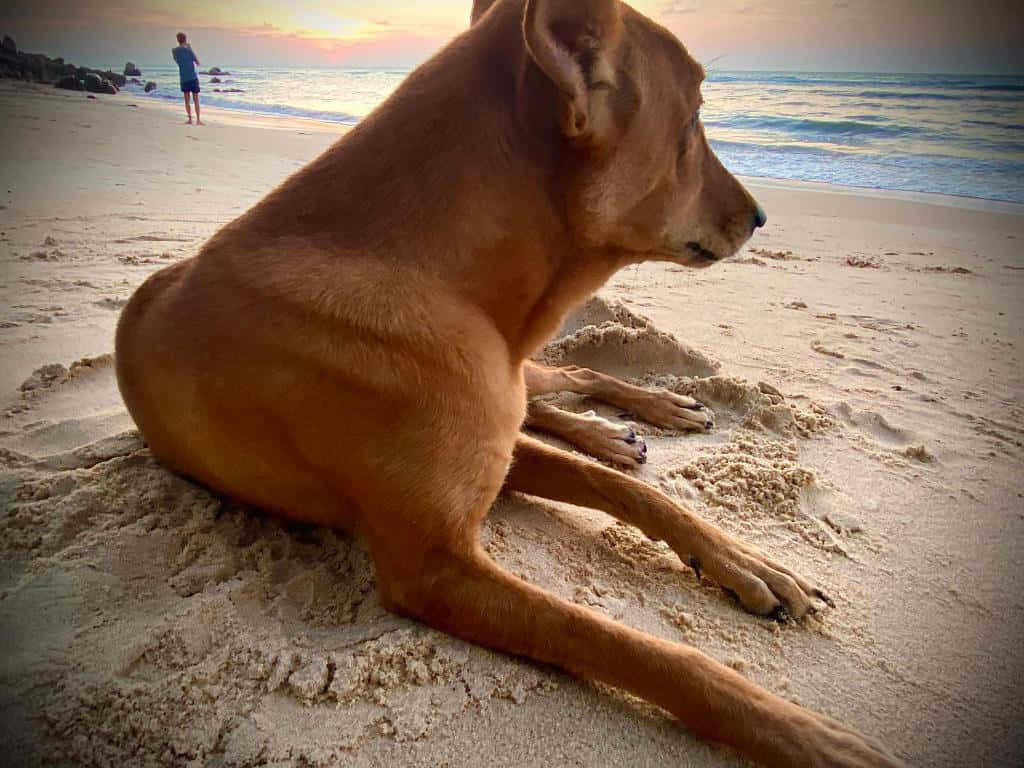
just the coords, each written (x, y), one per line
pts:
(573, 42)
(480, 7)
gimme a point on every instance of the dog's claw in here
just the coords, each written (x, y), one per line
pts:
(780, 614)
(695, 564)
(824, 598)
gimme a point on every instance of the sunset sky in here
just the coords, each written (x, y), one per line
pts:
(822, 35)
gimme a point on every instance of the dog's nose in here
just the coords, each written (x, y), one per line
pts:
(760, 217)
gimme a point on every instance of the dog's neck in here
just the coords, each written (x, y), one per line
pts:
(461, 173)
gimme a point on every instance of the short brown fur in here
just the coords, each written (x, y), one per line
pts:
(352, 351)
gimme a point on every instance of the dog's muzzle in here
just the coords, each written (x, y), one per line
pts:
(702, 252)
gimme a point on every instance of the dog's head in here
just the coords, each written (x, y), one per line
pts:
(626, 96)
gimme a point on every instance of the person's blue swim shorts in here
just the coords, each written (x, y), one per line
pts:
(192, 86)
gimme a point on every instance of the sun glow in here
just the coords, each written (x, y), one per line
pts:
(837, 35)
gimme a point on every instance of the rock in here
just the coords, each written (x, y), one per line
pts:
(71, 83)
(150, 86)
(116, 79)
(215, 71)
(135, 81)
(130, 70)
(96, 84)
(214, 79)
(42, 69)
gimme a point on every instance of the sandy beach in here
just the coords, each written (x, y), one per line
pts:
(862, 354)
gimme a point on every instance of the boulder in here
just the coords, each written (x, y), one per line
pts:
(214, 79)
(135, 81)
(130, 70)
(116, 79)
(42, 69)
(150, 86)
(71, 83)
(36, 66)
(96, 84)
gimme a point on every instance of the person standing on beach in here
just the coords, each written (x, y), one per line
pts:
(186, 60)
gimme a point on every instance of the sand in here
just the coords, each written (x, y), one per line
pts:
(863, 359)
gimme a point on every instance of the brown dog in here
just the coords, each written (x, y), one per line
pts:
(352, 351)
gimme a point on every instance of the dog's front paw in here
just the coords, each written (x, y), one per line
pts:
(663, 408)
(611, 441)
(762, 585)
(830, 744)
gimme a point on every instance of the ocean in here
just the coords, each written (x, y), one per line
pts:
(946, 134)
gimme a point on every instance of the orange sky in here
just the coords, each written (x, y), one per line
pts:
(836, 35)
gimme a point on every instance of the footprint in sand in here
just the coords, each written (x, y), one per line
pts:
(875, 426)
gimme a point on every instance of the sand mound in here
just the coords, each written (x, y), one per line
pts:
(610, 338)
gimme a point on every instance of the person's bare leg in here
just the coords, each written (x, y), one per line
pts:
(195, 98)
(188, 109)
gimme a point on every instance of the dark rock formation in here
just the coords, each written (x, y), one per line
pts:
(130, 70)
(39, 68)
(71, 83)
(150, 86)
(94, 83)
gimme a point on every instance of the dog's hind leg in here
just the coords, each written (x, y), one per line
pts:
(456, 588)
(762, 585)
(655, 406)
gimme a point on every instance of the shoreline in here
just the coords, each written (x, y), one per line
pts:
(270, 121)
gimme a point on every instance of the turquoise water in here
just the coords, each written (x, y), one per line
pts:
(952, 135)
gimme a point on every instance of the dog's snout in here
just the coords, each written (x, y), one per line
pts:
(760, 217)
